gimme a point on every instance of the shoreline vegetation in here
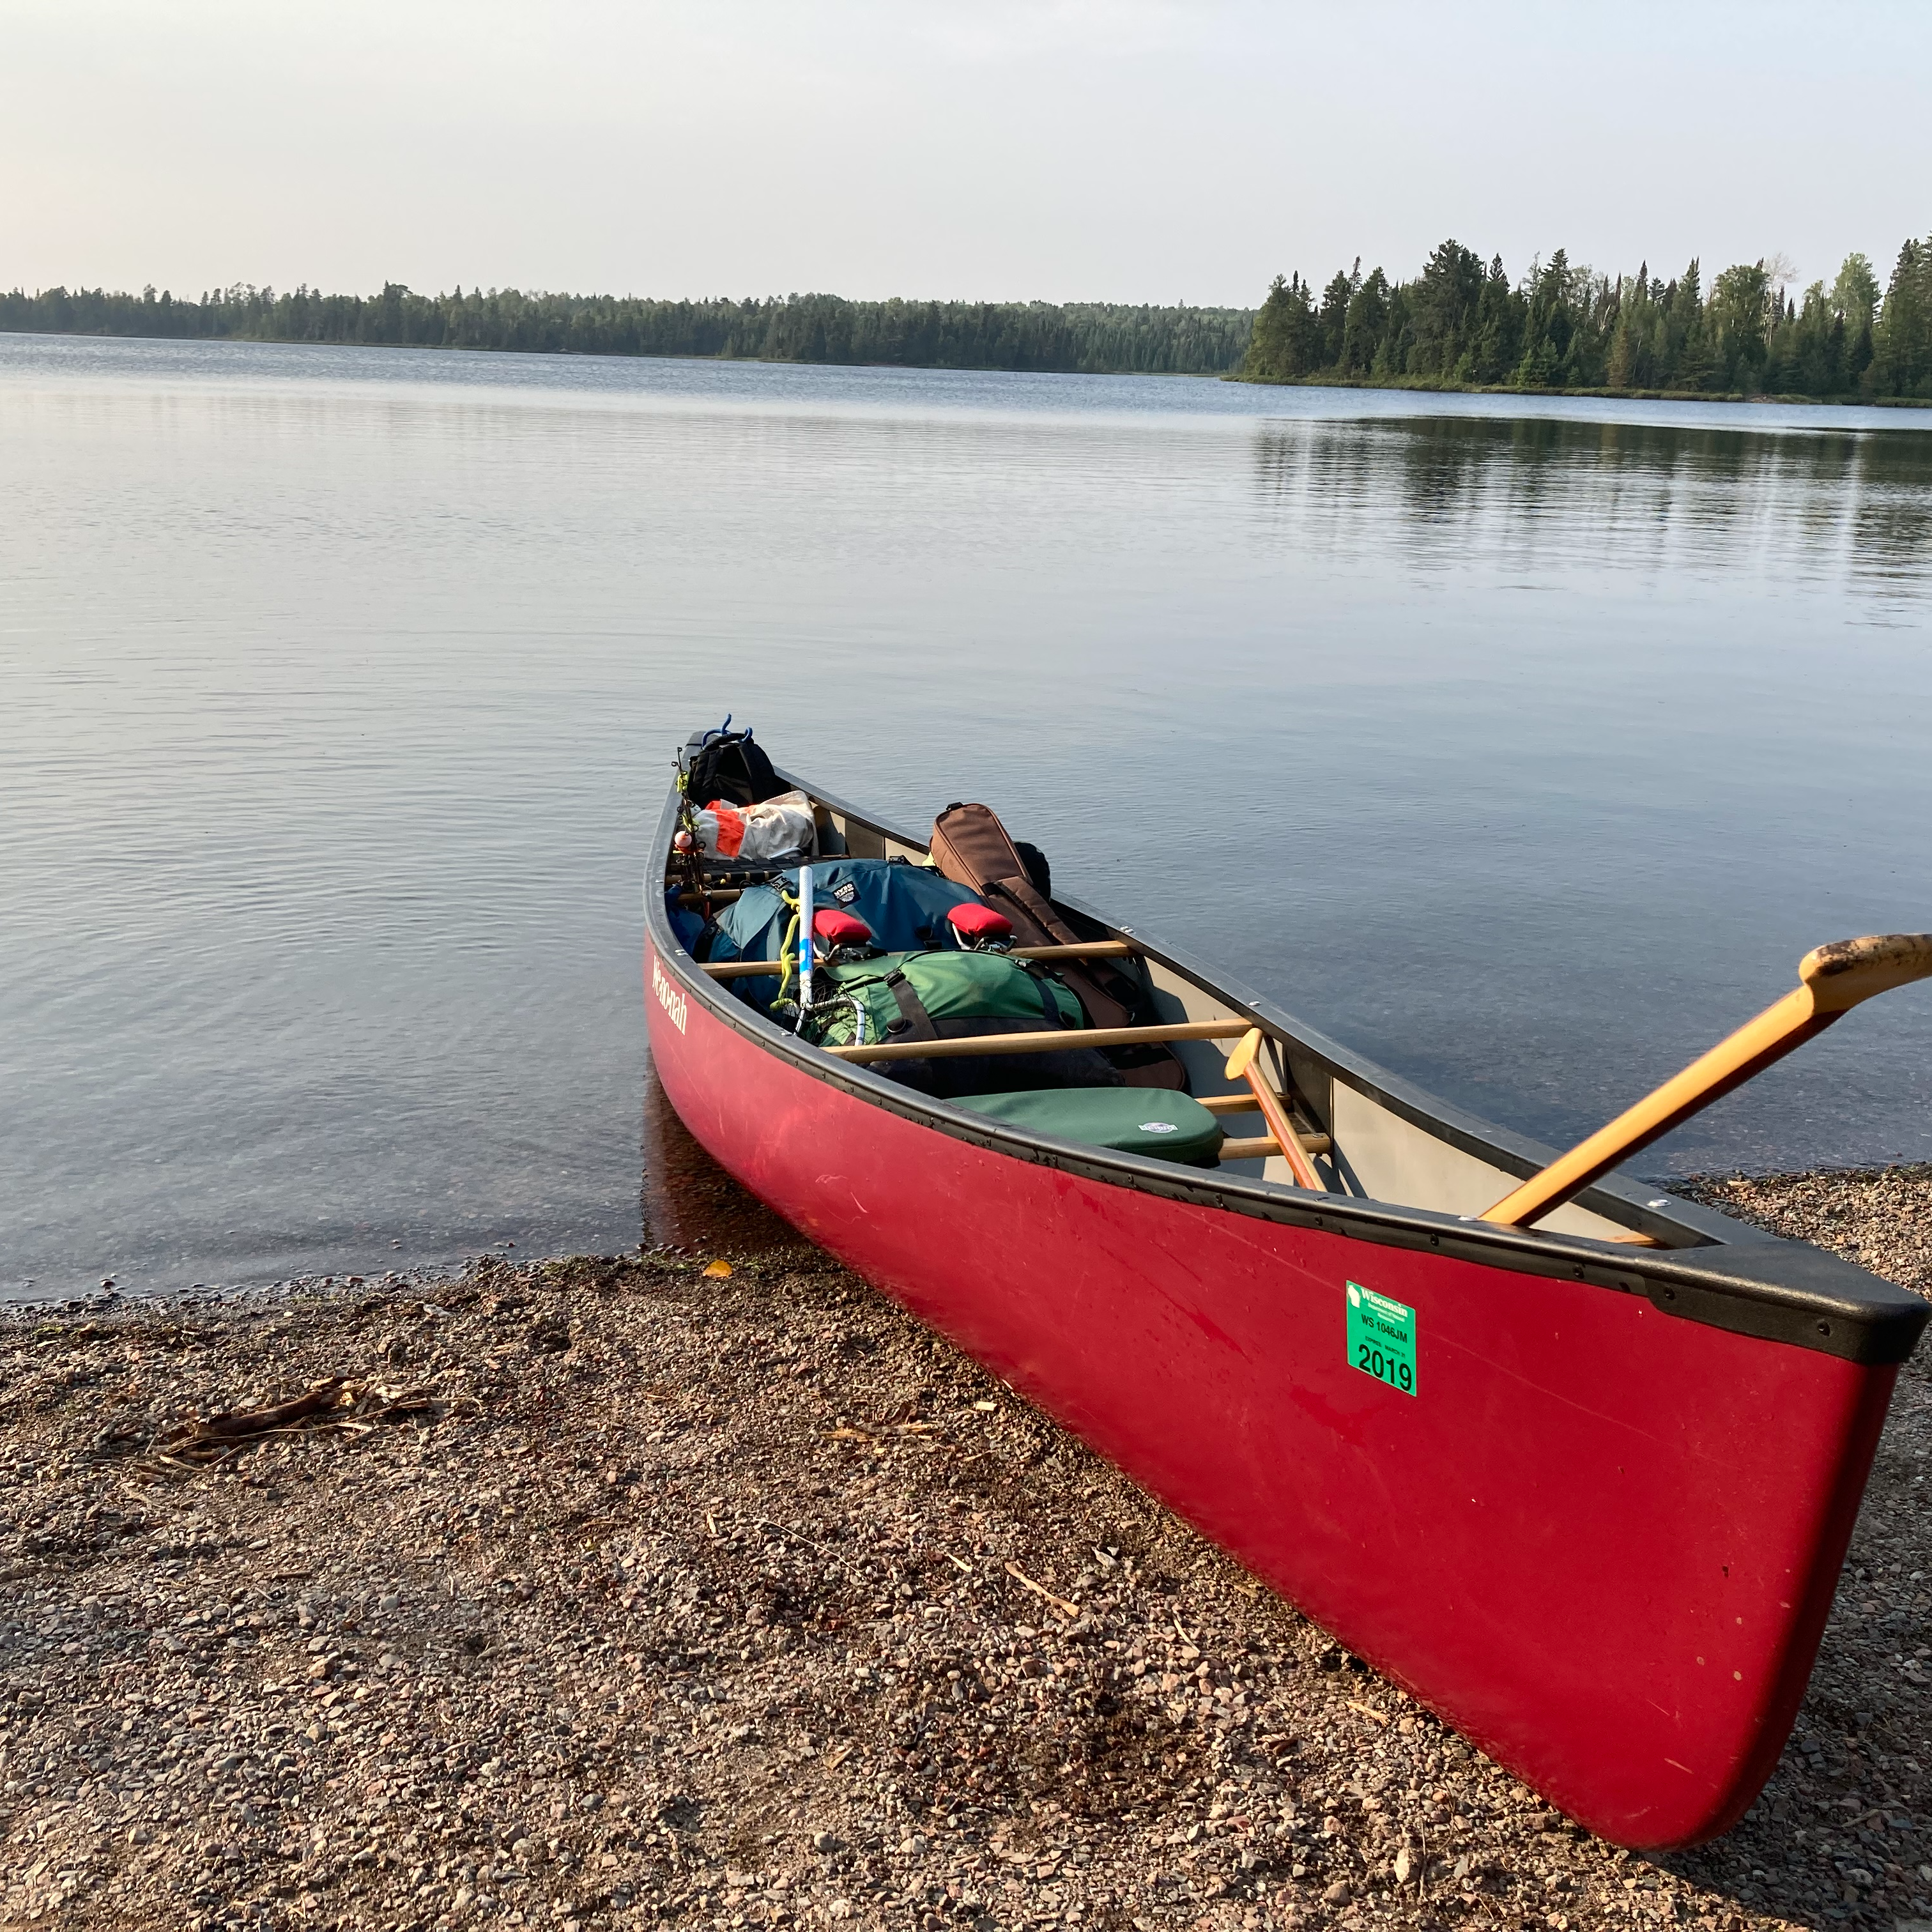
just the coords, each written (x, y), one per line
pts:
(617, 1592)
(1566, 329)
(1059, 338)
(1437, 385)
(1460, 327)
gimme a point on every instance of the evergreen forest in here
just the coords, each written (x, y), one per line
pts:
(1461, 324)
(1091, 338)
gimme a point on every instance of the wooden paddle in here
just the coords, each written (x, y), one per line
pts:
(1241, 1063)
(1832, 980)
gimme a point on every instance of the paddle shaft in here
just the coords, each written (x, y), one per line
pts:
(1832, 980)
(1241, 1065)
(1298, 1162)
(804, 944)
(1776, 1031)
(1086, 948)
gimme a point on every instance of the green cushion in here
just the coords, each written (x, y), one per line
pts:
(1133, 1119)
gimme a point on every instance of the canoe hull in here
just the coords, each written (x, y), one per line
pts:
(1598, 1540)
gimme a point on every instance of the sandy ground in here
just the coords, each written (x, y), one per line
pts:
(612, 1593)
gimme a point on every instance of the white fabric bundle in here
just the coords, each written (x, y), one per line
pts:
(772, 831)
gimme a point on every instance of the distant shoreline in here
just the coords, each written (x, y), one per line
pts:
(1416, 384)
(623, 355)
(1086, 338)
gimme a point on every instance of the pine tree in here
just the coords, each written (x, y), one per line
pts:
(1286, 341)
(1901, 362)
(1367, 320)
(1334, 315)
(1623, 354)
(1494, 334)
(1443, 305)
(1740, 299)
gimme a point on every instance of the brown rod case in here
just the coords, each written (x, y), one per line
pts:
(971, 847)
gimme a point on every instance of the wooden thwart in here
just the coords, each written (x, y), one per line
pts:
(770, 969)
(1258, 1146)
(1262, 1145)
(1042, 1043)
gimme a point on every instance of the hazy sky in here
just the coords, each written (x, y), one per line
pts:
(1130, 150)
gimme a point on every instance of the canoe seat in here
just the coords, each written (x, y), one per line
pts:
(1130, 1120)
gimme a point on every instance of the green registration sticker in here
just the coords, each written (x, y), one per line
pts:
(1382, 1338)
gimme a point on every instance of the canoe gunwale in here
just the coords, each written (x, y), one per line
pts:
(1745, 1281)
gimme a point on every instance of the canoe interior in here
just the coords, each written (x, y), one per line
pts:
(1381, 1151)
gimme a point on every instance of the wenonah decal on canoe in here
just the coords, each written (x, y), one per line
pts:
(1572, 1463)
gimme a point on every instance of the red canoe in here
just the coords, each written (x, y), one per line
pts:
(1599, 1533)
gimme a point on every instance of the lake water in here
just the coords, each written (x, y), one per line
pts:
(1525, 746)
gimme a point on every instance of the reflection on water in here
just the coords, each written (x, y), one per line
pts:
(689, 1203)
(1526, 752)
(1633, 496)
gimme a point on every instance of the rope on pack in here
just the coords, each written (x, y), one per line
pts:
(819, 1018)
(788, 958)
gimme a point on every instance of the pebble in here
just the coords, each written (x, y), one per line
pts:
(680, 1599)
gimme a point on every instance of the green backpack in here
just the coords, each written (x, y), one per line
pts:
(953, 995)
(881, 998)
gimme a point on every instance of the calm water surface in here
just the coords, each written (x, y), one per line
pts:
(1525, 747)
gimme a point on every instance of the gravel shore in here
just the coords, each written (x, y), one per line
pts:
(611, 1593)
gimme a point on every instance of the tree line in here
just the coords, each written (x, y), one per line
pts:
(1087, 337)
(1461, 324)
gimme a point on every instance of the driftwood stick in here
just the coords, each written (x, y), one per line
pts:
(242, 1422)
(1065, 1608)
